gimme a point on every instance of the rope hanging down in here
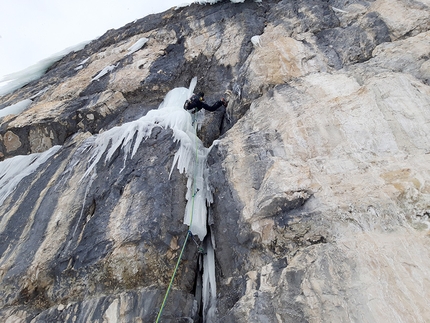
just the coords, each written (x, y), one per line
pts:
(189, 232)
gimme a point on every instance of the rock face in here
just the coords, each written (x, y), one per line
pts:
(319, 170)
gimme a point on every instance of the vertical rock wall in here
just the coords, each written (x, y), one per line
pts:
(319, 170)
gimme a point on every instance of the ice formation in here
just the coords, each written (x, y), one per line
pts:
(84, 61)
(104, 71)
(19, 79)
(43, 91)
(81, 64)
(209, 285)
(137, 45)
(255, 40)
(14, 169)
(15, 108)
(190, 157)
(339, 10)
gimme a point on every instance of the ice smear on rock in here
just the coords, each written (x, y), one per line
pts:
(189, 158)
(256, 40)
(104, 71)
(14, 169)
(137, 45)
(16, 108)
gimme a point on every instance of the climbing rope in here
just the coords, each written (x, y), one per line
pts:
(189, 233)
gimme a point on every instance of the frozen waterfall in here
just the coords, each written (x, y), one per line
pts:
(189, 159)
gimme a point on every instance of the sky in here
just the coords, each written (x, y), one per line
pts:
(32, 30)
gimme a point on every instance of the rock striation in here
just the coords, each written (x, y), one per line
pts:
(319, 169)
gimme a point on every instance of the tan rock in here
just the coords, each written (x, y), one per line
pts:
(280, 58)
(403, 17)
(40, 140)
(11, 141)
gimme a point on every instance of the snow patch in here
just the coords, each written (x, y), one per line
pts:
(182, 5)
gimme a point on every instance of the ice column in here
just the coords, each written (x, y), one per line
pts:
(209, 285)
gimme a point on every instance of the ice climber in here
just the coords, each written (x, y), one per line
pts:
(197, 102)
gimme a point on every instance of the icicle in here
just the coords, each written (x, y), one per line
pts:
(190, 157)
(209, 284)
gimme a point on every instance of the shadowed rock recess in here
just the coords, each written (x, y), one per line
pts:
(319, 169)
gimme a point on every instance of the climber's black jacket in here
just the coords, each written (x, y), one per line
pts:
(197, 102)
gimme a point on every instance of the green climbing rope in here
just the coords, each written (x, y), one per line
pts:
(188, 233)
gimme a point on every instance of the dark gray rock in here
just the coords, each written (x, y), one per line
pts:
(355, 43)
(76, 249)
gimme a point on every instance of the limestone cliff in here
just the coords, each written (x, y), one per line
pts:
(319, 169)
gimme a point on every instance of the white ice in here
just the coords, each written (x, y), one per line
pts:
(81, 64)
(19, 79)
(190, 157)
(104, 71)
(16, 108)
(84, 61)
(137, 45)
(255, 40)
(339, 10)
(14, 169)
(209, 285)
(43, 91)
